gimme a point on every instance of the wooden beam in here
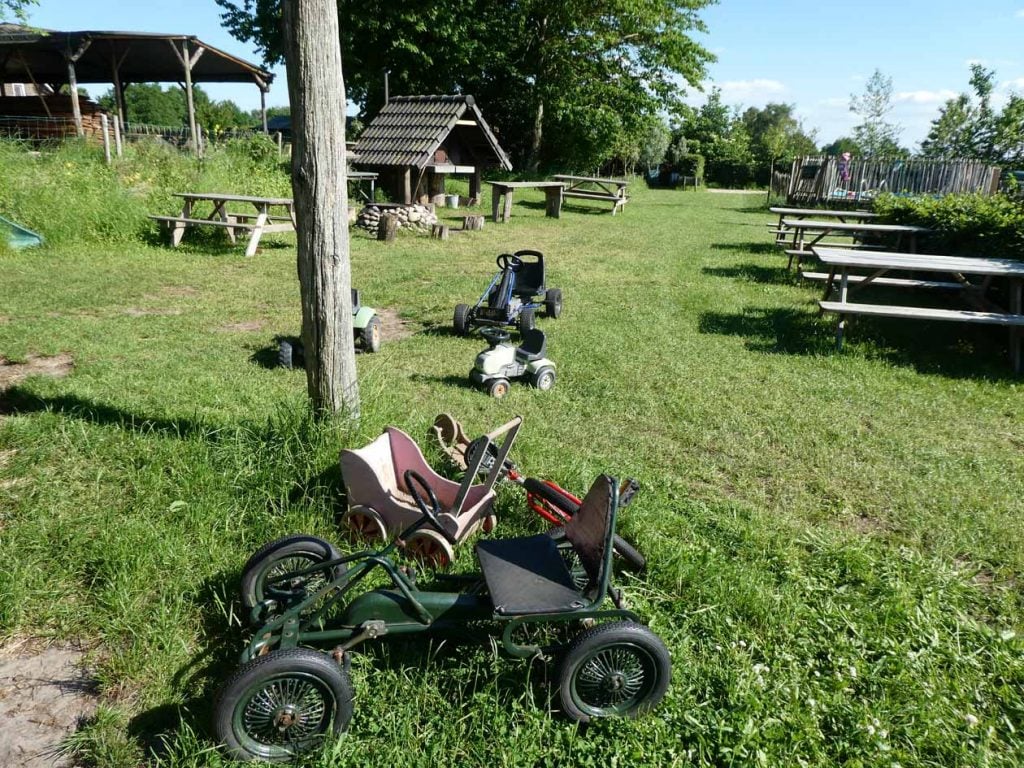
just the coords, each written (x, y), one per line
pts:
(466, 122)
(263, 108)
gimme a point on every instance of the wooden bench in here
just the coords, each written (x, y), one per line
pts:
(896, 282)
(178, 220)
(594, 188)
(922, 313)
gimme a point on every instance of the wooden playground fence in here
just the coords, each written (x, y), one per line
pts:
(821, 181)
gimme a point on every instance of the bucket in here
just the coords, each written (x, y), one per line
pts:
(452, 201)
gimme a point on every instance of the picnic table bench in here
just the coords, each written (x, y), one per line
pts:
(975, 293)
(258, 223)
(594, 188)
(807, 235)
(780, 230)
(502, 191)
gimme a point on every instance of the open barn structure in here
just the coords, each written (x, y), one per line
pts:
(49, 60)
(415, 142)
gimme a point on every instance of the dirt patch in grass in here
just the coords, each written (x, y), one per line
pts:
(175, 291)
(246, 326)
(865, 525)
(57, 366)
(44, 696)
(394, 327)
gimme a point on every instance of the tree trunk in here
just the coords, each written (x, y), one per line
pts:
(317, 93)
(536, 137)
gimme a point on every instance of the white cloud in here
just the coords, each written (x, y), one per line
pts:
(925, 97)
(746, 90)
(1020, 14)
(1012, 85)
(836, 101)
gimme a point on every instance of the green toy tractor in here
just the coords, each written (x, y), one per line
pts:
(366, 327)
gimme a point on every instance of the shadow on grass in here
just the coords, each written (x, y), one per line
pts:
(944, 349)
(765, 248)
(449, 380)
(756, 272)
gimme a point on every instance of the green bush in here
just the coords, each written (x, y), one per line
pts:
(972, 224)
(692, 165)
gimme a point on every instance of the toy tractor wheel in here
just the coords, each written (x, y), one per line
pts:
(460, 322)
(498, 388)
(620, 669)
(544, 379)
(430, 548)
(372, 334)
(553, 302)
(281, 705)
(262, 574)
(364, 524)
(527, 320)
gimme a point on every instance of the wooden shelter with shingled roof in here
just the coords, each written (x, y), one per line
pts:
(415, 142)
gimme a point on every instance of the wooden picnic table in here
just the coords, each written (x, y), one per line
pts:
(504, 189)
(801, 245)
(263, 221)
(800, 213)
(960, 269)
(595, 188)
(357, 178)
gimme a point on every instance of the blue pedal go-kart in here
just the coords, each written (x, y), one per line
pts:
(517, 291)
(549, 596)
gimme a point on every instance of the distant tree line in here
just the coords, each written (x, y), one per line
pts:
(152, 104)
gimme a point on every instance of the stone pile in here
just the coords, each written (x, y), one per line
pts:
(418, 218)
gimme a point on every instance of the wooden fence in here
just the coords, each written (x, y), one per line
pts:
(820, 181)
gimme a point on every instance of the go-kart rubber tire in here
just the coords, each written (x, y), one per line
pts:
(527, 321)
(622, 648)
(553, 302)
(544, 379)
(498, 388)
(372, 334)
(298, 546)
(460, 322)
(629, 554)
(310, 674)
(285, 355)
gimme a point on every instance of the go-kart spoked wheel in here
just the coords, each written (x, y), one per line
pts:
(364, 524)
(620, 669)
(262, 575)
(281, 705)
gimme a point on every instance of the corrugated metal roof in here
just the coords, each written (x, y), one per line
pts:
(408, 130)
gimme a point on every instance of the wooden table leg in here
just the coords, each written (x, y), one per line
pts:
(507, 213)
(553, 197)
(843, 290)
(220, 212)
(1016, 307)
(257, 233)
(178, 230)
(495, 202)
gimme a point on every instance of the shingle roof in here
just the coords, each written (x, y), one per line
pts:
(409, 129)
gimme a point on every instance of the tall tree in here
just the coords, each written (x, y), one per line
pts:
(875, 135)
(561, 81)
(775, 132)
(317, 93)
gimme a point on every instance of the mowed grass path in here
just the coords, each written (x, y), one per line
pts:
(835, 540)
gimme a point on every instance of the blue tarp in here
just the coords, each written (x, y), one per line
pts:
(17, 236)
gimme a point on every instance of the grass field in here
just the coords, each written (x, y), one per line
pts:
(835, 540)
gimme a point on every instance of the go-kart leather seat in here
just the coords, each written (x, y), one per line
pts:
(534, 346)
(529, 574)
(529, 280)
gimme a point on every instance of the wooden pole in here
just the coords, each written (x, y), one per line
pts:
(106, 138)
(117, 137)
(263, 109)
(190, 98)
(115, 68)
(319, 186)
(76, 108)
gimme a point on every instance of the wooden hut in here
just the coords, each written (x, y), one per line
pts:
(415, 142)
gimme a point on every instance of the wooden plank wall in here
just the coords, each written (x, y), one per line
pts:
(815, 180)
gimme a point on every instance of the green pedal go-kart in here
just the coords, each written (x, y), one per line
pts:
(286, 697)
(366, 327)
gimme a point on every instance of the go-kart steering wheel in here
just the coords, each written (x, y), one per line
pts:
(412, 479)
(509, 261)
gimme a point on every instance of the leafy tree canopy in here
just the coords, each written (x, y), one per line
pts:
(776, 133)
(151, 104)
(564, 82)
(875, 135)
(15, 9)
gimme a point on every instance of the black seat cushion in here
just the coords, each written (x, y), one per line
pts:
(527, 575)
(529, 280)
(534, 346)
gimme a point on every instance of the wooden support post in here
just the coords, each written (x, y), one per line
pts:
(187, 62)
(407, 186)
(439, 231)
(475, 182)
(106, 138)
(553, 198)
(117, 137)
(263, 110)
(387, 227)
(115, 68)
(76, 108)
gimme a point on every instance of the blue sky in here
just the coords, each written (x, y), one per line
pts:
(811, 53)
